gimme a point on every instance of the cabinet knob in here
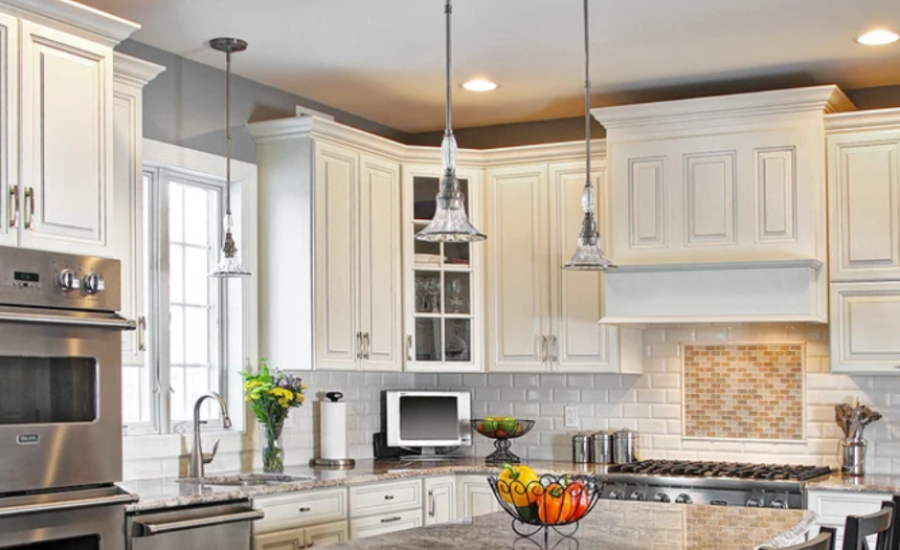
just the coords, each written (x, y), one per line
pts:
(388, 497)
(304, 510)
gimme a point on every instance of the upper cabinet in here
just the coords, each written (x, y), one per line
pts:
(864, 225)
(444, 315)
(542, 318)
(56, 108)
(718, 208)
(330, 249)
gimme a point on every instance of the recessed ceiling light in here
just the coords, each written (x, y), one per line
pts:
(480, 85)
(878, 37)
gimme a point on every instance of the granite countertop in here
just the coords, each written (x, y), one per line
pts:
(163, 493)
(616, 525)
(865, 484)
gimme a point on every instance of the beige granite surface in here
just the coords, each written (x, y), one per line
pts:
(615, 525)
(171, 493)
(865, 484)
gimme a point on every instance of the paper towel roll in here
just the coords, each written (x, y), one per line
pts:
(333, 430)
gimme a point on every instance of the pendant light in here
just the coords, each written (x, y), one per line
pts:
(450, 223)
(229, 266)
(588, 254)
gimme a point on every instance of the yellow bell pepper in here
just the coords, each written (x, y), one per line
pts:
(519, 485)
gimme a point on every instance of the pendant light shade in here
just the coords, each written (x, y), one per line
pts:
(588, 252)
(229, 266)
(450, 223)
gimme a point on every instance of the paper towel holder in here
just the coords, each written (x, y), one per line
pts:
(339, 463)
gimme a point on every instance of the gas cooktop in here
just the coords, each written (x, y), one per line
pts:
(716, 483)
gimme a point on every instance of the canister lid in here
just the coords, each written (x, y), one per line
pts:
(602, 434)
(625, 434)
(580, 436)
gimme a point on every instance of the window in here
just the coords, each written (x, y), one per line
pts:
(199, 335)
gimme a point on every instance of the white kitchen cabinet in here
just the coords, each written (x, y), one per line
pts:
(833, 507)
(475, 497)
(541, 317)
(10, 190)
(334, 303)
(298, 539)
(864, 321)
(130, 77)
(444, 317)
(864, 199)
(383, 524)
(301, 509)
(382, 498)
(66, 130)
(440, 500)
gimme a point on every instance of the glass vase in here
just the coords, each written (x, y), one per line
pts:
(273, 448)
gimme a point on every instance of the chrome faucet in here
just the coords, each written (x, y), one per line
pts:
(198, 459)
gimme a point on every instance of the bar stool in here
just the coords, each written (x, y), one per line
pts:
(858, 528)
(823, 541)
(895, 530)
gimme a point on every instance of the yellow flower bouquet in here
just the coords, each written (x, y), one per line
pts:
(272, 395)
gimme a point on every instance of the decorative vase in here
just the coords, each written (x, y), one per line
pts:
(273, 449)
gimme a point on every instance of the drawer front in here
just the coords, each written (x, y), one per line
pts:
(383, 524)
(301, 509)
(832, 508)
(381, 498)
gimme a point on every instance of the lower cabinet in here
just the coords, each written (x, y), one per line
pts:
(475, 497)
(865, 319)
(440, 500)
(833, 507)
(298, 539)
(386, 523)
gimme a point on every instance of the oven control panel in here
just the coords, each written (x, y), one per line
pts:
(46, 279)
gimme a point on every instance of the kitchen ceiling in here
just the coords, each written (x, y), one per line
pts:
(383, 59)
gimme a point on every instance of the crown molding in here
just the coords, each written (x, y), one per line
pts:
(132, 70)
(109, 28)
(729, 108)
(879, 119)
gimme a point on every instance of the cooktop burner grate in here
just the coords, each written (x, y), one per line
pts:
(774, 472)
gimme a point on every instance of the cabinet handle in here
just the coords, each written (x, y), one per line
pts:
(431, 504)
(388, 497)
(409, 349)
(29, 207)
(543, 349)
(359, 348)
(391, 520)
(554, 353)
(305, 509)
(141, 327)
(13, 206)
(367, 345)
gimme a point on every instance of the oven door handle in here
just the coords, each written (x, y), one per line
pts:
(151, 529)
(109, 321)
(41, 508)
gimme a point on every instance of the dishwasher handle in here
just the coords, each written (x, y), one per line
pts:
(151, 529)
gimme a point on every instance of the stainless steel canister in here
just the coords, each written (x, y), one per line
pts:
(602, 448)
(853, 461)
(581, 449)
(624, 447)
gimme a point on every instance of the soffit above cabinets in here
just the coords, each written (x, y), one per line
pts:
(717, 208)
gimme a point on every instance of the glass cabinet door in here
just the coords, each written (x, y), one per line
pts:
(443, 281)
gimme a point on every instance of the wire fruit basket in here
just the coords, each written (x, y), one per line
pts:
(502, 454)
(550, 502)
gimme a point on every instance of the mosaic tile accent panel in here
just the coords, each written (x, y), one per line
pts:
(752, 391)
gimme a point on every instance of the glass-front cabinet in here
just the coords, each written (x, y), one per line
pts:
(443, 281)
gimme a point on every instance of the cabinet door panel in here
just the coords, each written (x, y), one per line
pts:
(865, 318)
(776, 195)
(647, 202)
(711, 201)
(518, 278)
(582, 343)
(440, 500)
(383, 524)
(328, 534)
(864, 193)
(475, 497)
(66, 140)
(380, 264)
(337, 340)
(292, 539)
(10, 190)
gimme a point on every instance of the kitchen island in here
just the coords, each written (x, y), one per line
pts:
(615, 525)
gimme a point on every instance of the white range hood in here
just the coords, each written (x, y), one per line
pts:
(716, 209)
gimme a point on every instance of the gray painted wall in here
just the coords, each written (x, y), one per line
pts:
(185, 105)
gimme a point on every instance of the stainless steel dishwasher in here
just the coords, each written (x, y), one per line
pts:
(223, 526)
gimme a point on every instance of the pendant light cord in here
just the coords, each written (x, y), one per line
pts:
(587, 88)
(228, 133)
(448, 10)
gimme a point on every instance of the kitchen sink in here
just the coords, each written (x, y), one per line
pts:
(247, 480)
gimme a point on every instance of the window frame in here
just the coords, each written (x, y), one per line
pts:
(237, 339)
